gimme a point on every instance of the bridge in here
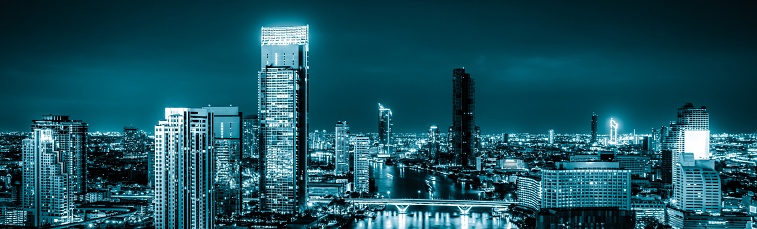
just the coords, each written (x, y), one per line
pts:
(403, 204)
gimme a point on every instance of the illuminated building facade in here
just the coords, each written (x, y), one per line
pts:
(54, 170)
(529, 192)
(689, 133)
(613, 132)
(586, 185)
(227, 156)
(385, 129)
(283, 110)
(463, 117)
(342, 148)
(362, 157)
(433, 143)
(697, 188)
(593, 128)
(551, 136)
(183, 169)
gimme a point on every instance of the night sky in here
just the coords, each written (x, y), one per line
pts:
(537, 65)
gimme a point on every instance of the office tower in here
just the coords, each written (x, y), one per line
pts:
(551, 136)
(283, 112)
(639, 165)
(463, 117)
(593, 128)
(433, 143)
(183, 169)
(54, 170)
(227, 157)
(250, 136)
(341, 148)
(586, 185)
(613, 132)
(698, 187)
(362, 146)
(385, 129)
(689, 133)
(529, 192)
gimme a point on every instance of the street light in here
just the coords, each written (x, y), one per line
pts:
(419, 194)
(479, 196)
(388, 194)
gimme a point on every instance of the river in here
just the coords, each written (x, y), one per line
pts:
(409, 183)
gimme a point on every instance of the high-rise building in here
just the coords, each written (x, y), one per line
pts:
(227, 157)
(250, 136)
(54, 170)
(593, 127)
(586, 185)
(362, 146)
(385, 129)
(667, 167)
(697, 188)
(551, 136)
(183, 165)
(463, 117)
(342, 148)
(613, 132)
(283, 112)
(433, 143)
(690, 133)
(639, 165)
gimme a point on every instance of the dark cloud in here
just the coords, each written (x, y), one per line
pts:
(537, 65)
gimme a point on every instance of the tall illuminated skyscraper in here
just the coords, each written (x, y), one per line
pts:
(433, 143)
(342, 148)
(183, 169)
(689, 133)
(593, 128)
(551, 136)
(463, 117)
(362, 146)
(613, 132)
(227, 157)
(283, 112)
(385, 128)
(54, 170)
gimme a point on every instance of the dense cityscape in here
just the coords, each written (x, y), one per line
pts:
(228, 167)
(216, 167)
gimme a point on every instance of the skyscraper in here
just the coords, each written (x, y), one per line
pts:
(54, 170)
(250, 154)
(613, 132)
(283, 112)
(689, 133)
(433, 143)
(698, 187)
(342, 148)
(463, 117)
(551, 136)
(227, 156)
(183, 169)
(385, 128)
(362, 145)
(593, 127)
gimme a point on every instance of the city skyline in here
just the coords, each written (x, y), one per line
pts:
(617, 60)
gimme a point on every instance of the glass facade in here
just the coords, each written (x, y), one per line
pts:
(282, 109)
